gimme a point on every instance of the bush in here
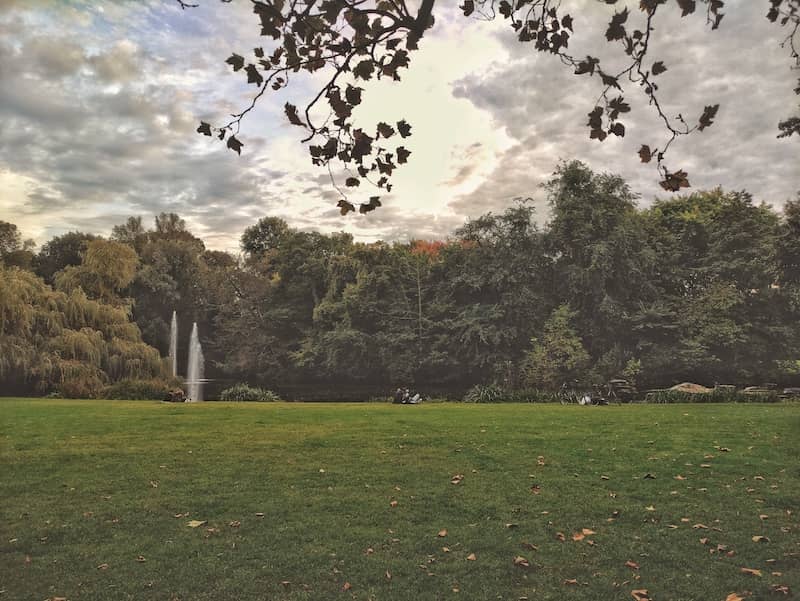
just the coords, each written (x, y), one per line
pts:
(485, 393)
(155, 389)
(532, 395)
(245, 392)
(715, 396)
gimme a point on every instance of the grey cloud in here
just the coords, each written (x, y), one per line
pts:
(120, 64)
(544, 106)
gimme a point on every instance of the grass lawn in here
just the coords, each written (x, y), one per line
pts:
(317, 501)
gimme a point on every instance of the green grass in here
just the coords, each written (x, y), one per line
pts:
(87, 483)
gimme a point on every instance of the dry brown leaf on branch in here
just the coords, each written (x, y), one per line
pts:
(751, 571)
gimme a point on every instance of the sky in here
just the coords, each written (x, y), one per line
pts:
(100, 100)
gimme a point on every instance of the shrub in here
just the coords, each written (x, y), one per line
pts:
(155, 389)
(485, 393)
(532, 395)
(245, 392)
(715, 396)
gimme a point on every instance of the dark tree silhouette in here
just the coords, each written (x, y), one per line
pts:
(358, 40)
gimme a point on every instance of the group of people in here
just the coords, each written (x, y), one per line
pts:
(403, 396)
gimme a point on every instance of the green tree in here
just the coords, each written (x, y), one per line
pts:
(558, 356)
(60, 252)
(62, 341)
(106, 270)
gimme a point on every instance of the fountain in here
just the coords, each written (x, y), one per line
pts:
(194, 375)
(173, 344)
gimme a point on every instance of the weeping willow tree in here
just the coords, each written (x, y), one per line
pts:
(62, 341)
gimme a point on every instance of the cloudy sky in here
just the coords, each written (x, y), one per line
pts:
(99, 102)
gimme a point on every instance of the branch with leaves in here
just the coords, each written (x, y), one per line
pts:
(358, 40)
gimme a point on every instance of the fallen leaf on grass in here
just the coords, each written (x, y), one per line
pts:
(141, 558)
(180, 515)
(703, 541)
(512, 525)
(780, 588)
(648, 476)
(471, 557)
(641, 595)
(751, 571)
(285, 583)
(706, 465)
(154, 483)
(604, 477)
(369, 551)
(763, 516)
(679, 477)
(442, 533)
(650, 508)
(521, 562)
(536, 489)
(700, 527)
(540, 460)
(758, 477)
(733, 597)
(632, 565)
(456, 479)
(259, 515)
(571, 581)
(102, 566)
(347, 586)
(234, 524)
(578, 536)
(527, 545)
(393, 504)
(388, 575)
(445, 549)
(197, 523)
(760, 539)
(560, 536)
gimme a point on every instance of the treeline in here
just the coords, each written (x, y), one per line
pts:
(703, 287)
